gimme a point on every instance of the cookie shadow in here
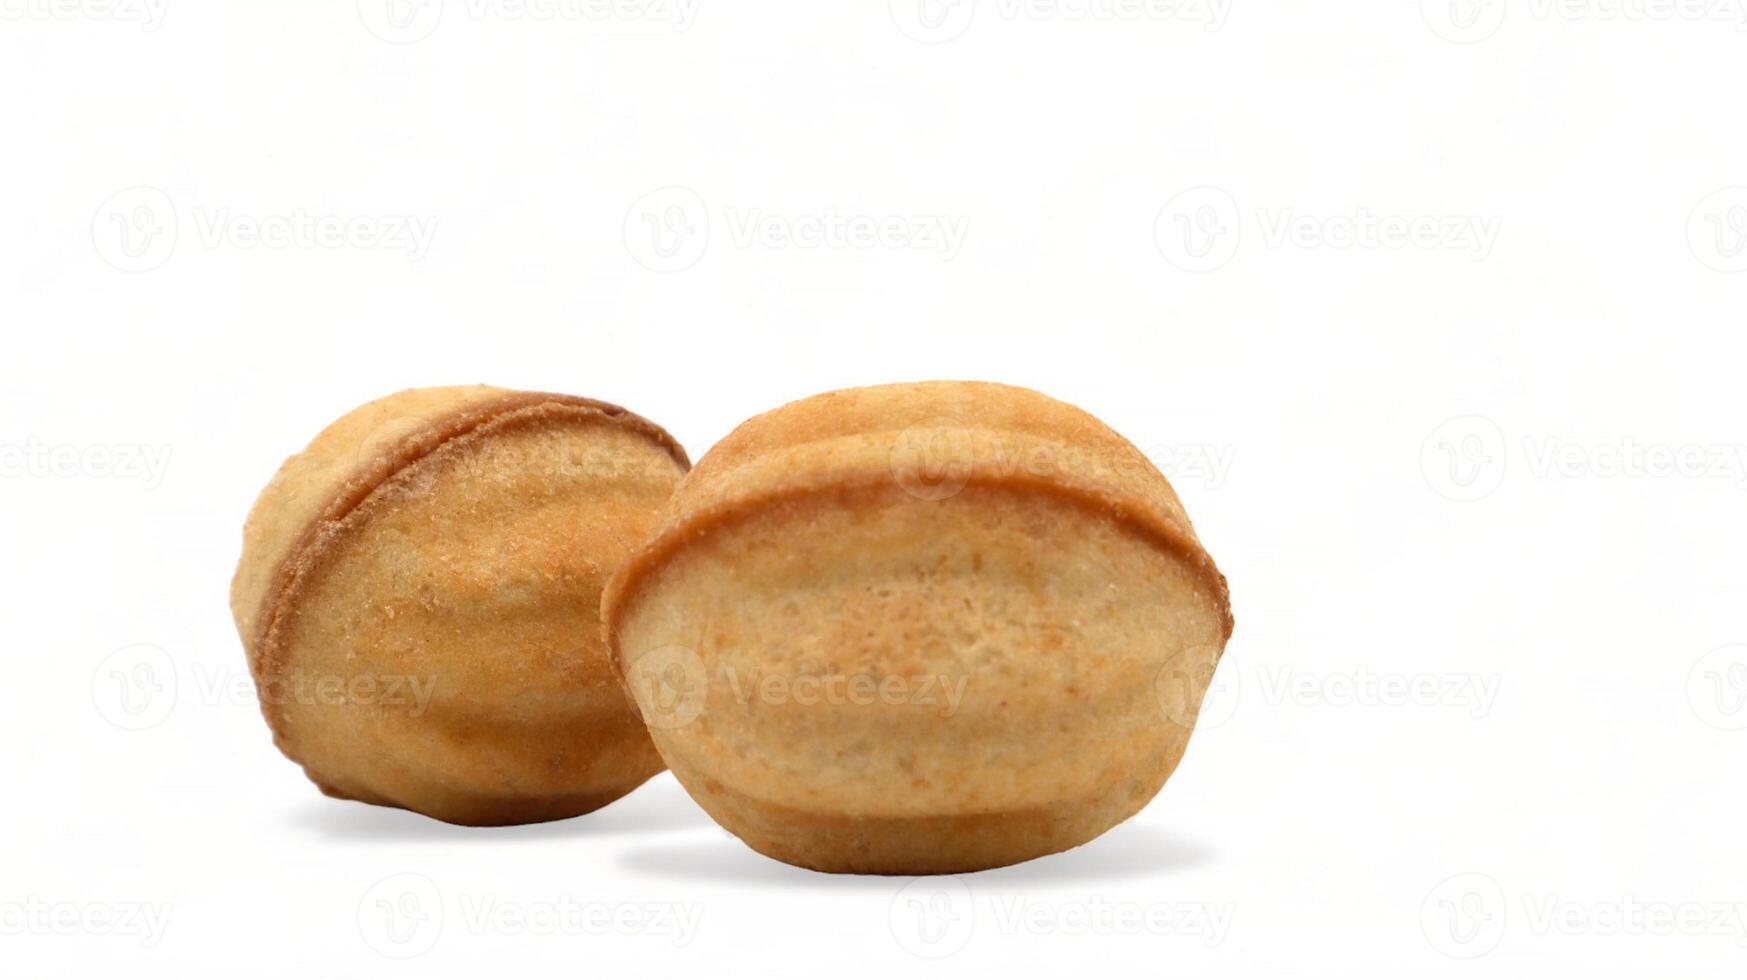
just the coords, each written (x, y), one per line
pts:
(658, 806)
(1132, 850)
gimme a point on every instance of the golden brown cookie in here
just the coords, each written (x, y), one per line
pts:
(920, 628)
(419, 598)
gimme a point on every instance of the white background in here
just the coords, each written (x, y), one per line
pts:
(1434, 315)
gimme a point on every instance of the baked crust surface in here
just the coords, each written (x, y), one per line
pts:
(932, 439)
(920, 629)
(417, 597)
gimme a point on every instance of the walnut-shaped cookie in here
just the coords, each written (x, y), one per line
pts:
(419, 599)
(920, 628)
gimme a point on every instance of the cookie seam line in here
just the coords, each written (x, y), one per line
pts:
(626, 588)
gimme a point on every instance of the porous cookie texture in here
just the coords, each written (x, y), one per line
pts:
(419, 599)
(920, 628)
